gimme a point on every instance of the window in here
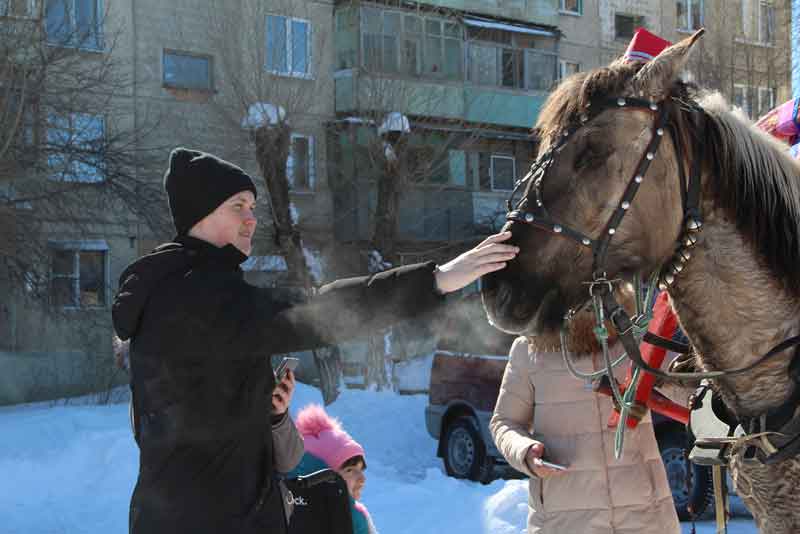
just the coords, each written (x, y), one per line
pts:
(625, 25)
(397, 42)
(442, 55)
(573, 7)
(75, 145)
(288, 46)
(381, 34)
(754, 101)
(16, 8)
(757, 21)
(300, 168)
(517, 65)
(503, 173)
(567, 68)
(540, 70)
(79, 274)
(74, 23)
(187, 71)
(689, 14)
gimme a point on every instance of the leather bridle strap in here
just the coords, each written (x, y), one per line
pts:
(619, 318)
(537, 215)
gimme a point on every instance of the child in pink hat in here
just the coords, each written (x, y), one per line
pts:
(328, 445)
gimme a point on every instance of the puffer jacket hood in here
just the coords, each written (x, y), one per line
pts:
(141, 277)
(138, 281)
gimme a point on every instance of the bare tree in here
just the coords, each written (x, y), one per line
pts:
(409, 143)
(68, 145)
(276, 89)
(745, 55)
(70, 168)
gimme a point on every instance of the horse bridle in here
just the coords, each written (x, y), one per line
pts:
(601, 288)
(536, 215)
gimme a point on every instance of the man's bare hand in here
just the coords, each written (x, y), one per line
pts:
(282, 394)
(533, 459)
(488, 256)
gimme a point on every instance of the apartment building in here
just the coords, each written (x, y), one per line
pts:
(470, 78)
(443, 92)
(744, 53)
(195, 73)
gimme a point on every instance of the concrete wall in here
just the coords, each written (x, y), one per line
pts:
(536, 11)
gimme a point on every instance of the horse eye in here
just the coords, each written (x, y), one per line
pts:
(591, 154)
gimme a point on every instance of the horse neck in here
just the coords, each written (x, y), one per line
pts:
(734, 310)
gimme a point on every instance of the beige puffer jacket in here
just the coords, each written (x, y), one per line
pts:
(598, 495)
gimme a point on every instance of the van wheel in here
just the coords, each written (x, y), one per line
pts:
(691, 485)
(465, 453)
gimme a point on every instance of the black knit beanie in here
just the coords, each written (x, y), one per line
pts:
(197, 183)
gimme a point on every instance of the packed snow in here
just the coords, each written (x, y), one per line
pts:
(71, 468)
(263, 114)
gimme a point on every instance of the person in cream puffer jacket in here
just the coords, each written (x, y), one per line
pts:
(597, 494)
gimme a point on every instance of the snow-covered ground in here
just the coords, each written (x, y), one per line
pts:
(70, 469)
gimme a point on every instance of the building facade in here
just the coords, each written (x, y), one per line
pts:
(438, 95)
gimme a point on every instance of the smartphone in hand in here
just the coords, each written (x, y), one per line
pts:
(287, 363)
(551, 465)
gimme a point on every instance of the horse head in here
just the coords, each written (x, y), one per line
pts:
(605, 167)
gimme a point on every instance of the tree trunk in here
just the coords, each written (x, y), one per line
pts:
(272, 152)
(384, 239)
(386, 211)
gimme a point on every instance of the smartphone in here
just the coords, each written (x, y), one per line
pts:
(286, 364)
(551, 465)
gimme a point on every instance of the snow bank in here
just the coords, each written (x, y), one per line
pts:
(72, 469)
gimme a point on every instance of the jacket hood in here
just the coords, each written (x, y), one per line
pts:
(141, 277)
(138, 281)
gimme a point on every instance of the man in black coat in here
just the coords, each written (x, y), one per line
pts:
(201, 338)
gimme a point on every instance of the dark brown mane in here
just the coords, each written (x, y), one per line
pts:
(752, 178)
(757, 183)
(572, 96)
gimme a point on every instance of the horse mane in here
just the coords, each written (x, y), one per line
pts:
(757, 183)
(753, 179)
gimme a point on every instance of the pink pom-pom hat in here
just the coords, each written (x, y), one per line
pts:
(325, 438)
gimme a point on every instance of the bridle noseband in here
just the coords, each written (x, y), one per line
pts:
(532, 211)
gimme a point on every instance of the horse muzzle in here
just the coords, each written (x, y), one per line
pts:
(521, 309)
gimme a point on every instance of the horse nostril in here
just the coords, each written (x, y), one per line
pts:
(504, 295)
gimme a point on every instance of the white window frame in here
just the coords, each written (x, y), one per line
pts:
(562, 67)
(491, 169)
(171, 52)
(420, 38)
(289, 48)
(689, 11)
(73, 174)
(748, 18)
(311, 164)
(99, 34)
(76, 247)
(564, 11)
(761, 93)
(4, 5)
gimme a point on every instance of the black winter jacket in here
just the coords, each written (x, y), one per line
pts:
(201, 338)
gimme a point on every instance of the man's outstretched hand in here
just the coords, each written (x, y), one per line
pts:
(489, 256)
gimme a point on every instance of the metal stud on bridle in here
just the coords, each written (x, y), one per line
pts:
(533, 182)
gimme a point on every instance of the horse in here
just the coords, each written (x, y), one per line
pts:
(640, 174)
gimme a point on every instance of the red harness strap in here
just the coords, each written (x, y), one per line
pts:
(664, 323)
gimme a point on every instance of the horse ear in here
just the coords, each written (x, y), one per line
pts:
(655, 79)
